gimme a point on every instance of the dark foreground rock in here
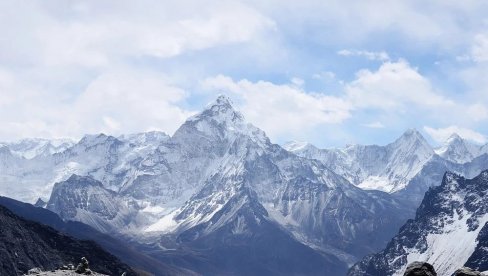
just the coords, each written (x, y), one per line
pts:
(466, 271)
(26, 244)
(426, 269)
(420, 269)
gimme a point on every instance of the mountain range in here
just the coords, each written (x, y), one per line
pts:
(218, 197)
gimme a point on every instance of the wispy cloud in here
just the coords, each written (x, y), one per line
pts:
(374, 125)
(381, 56)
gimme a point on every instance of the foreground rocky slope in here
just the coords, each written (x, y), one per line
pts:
(121, 249)
(449, 231)
(26, 244)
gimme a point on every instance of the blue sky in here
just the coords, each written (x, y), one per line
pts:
(328, 72)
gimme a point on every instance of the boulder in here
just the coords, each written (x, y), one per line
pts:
(466, 271)
(420, 269)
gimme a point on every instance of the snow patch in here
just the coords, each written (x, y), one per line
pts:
(165, 224)
(375, 182)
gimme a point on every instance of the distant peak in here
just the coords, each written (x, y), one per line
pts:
(454, 137)
(221, 110)
(222, 100)
(76, 177)
(412, 139)
(221, 103)
(412, 131)
(412, 134)
(97, 138)
(4, 150)
(83, 180)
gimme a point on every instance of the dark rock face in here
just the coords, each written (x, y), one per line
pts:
(26, 244)
(420, 269)
(80, 192)
(479, 259)
(466, 271)
(247, 243)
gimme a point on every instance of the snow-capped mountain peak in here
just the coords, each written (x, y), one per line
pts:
(221, 111)
(219, 121)
(412, 138)
(458, 150)
(95, 139)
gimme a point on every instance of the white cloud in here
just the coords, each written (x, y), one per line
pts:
(85, 66)
(129, 101)
(281, 109)
(297, 81)
(421, 23)
(113, 103)
(479, 50)
(477, 112)
(394, 86)
(442, 134)
(88, 66)
(94, 34)
(374, 125)
(381, 56)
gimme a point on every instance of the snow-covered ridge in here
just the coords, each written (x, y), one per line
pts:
(33, 147)
(388, 168)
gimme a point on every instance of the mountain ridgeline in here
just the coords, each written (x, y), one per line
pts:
(217, 197)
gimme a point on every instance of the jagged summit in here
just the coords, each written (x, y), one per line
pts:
(412, 136)
(222, 100)
(90, 138)
(83, 180)
(221, 110)
(454, 137)
(4, 150)
(412, 131)
(219, 121)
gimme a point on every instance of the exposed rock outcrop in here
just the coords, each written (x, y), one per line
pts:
(420, 269)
